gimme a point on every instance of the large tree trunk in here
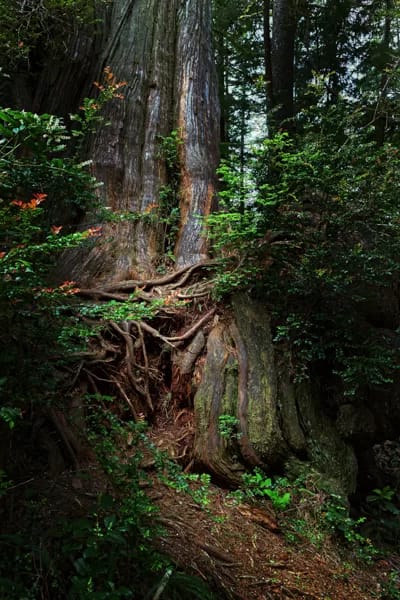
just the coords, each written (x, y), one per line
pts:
(163, 51)
(277, 422)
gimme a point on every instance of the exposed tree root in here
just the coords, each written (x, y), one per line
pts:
(147, 367)
(155, 288)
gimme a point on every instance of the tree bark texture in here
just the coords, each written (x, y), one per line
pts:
(163, 51)
(278, 422)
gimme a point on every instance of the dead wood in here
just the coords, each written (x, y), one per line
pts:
(218, 554)
(260, 517)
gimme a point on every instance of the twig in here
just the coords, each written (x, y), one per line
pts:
(163, 583)
(17, 485)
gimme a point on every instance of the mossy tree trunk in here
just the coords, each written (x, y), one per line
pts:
(277, 424)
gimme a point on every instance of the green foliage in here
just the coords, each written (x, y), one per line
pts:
(30, 162)
(257, 485)
(169, 149)
(120, 311)
(227, 427)
(42, 193)
(382, 510)
(336, 518)
(314, 236)
(10, 415)
(194, 484)
(109, 547)
(107, 550)
(169, 212)
(90, 117)
(30, 25)
(391, 587)
(319, 515)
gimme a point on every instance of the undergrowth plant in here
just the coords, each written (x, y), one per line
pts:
(316, 236)
(228, 427)
(257, 485)
(107, 550)
(320, 515)
(169, 210)
(41, 176)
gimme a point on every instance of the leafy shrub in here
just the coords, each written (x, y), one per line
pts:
(227, 427)
(257, 485)
(321, 515)
(41, 180)
(316, 235)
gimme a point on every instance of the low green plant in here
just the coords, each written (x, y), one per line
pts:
(391, 586)
(168, 214)
(228, 427)
(196, 485)
(336, 517)
(10, 415)
(383, 511)
(319, 514)
(104, 550)
(258, 485)
(110, 547)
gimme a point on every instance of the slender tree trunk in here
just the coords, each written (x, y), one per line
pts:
(267, 54)
(282, 59)
(380, 121)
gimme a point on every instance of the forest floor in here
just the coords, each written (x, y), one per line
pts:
(242, 551)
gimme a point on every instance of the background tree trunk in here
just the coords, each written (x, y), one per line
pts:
(282, 59)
